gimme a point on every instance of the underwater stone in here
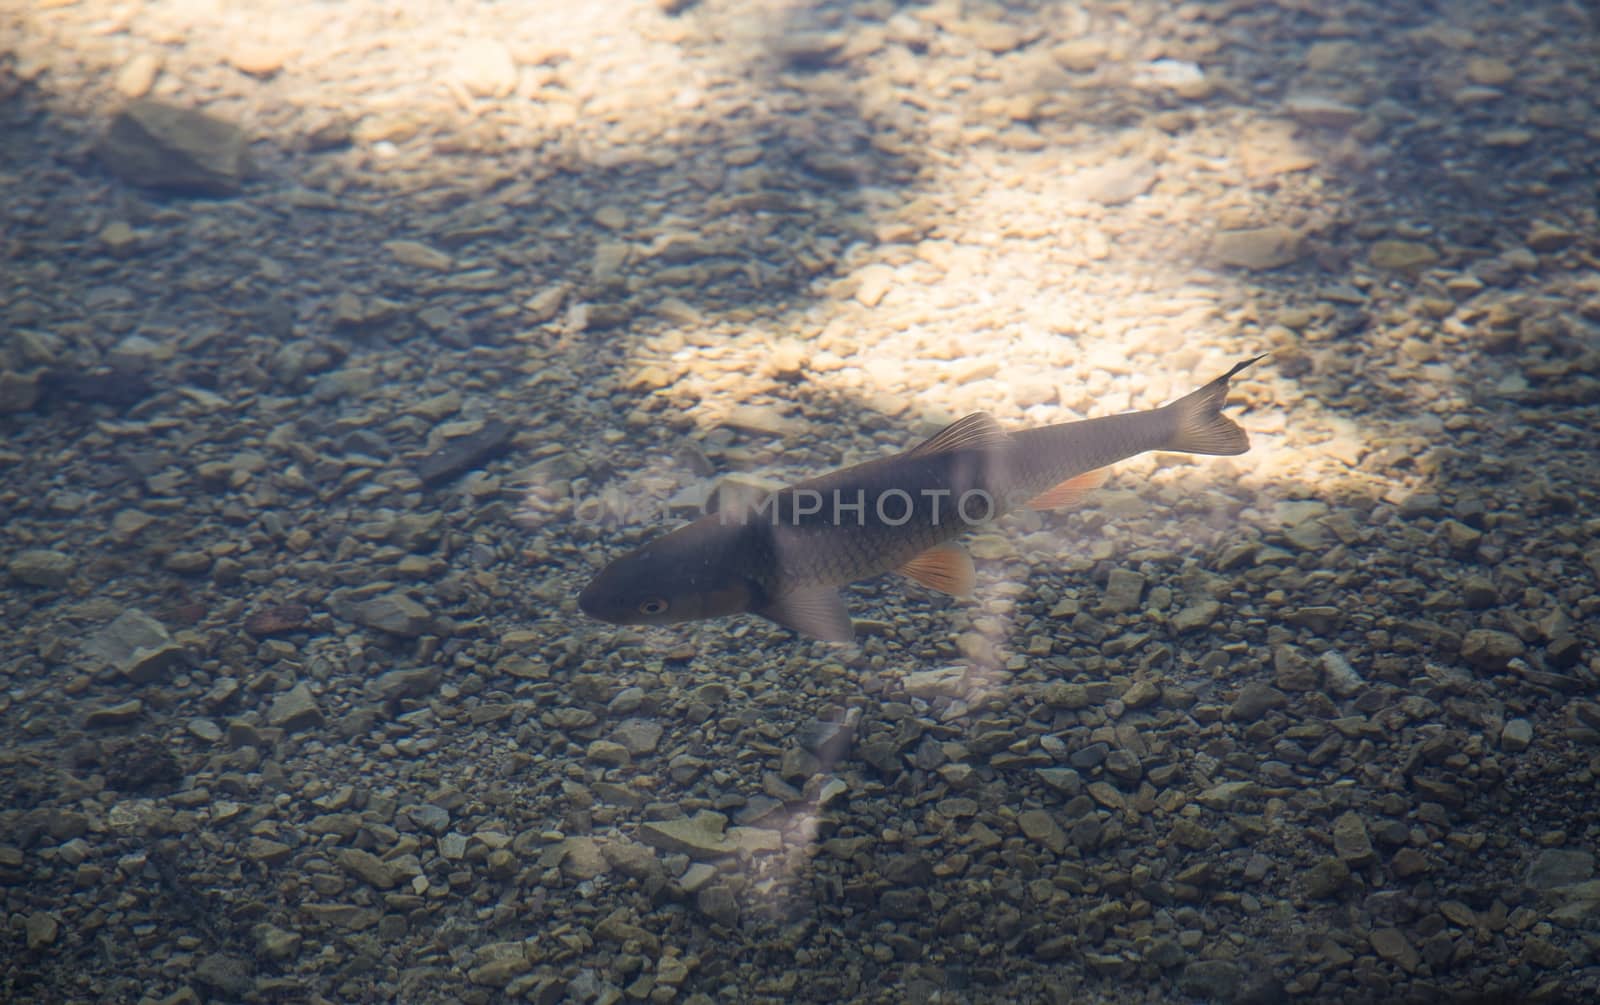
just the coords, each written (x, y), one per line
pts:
(1490, 650)
(157, 145)
(295, 708)
(699, 836)
(1255, 700)
(41, 567)
(394, 613)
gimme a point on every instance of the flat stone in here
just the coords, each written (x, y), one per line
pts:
(41, 930)
(944, 682)
(1196, 616)
(1257, 248)
(1490, 650)
(1318, 110)
(1040, 826)
(295, 709)
(1212, 980)
(419, 255)
(638, 736)
(118, 714)
(583, 858)
(1392, 945)
(41, 567)
(1255, 700)
(1516, 736)
(1555, 867)
(1124, 589)
(394, 613)
(1351, 841)
(158, 145)
(700, 836)
(1401, 256)
(368, 868)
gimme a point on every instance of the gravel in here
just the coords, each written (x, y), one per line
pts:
(342, 347)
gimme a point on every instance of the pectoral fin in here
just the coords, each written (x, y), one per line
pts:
(944, 567)
(1071, 491)
(820, 614)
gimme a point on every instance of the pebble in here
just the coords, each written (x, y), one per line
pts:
(1040, 826)
(1558, 867)
(1124, 589)
(701, 836)
(1325, 112)
(295, 709)
(394, 613)
(135, 78)
(1516, 736)
(1392, 945)
(1351, 841)
(1196, 616)
(1490, 650)
(1256, 699)
(1401, 256)
(41, 567)
(1257, 248)
(419, 255)
(159, 145)
(485, 68)
(116, 714)
(41, 930)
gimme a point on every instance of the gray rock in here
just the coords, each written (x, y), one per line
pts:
(1490, 650)
(638, 736)
(397, 684)
(1124, 589)
(229, 975)
(118, 714)
(1392, 945)
(1326, 878)
(1516, 736)
(431, 818)
(1214, 980)
(147, 665)
(583, 858)
(394, 613)
(276, 944)
(1255, 700)
(1339, 676)
(1559, 867)
(1350, 840)
(717, 903)
(1196, 616)
(368, 868)
(945, 682)
(700, 836)
(154, 144)
(295, 709)
(1041, 827)
(132, 630)
(40, 567)
(41, 929)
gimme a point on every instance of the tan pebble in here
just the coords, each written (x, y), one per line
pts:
(1080, 55)
(1490, 72)
(138, 75)
(1402, 255)
(873, 283)
(611, 218)
(418, 255)
(1319, 110)
(1549, 237)
(1507, 138)
(259, 59)
(119, 238)
(485, 68)
(1257, 248)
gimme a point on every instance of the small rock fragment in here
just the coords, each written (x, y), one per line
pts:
(1258, 248)
(158, 145)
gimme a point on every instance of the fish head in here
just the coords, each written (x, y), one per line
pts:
(687, 575)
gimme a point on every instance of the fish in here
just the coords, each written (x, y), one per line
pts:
(786, 556)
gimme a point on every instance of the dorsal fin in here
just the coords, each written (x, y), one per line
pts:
(966, 433)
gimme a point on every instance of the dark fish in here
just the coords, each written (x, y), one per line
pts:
(785, 557)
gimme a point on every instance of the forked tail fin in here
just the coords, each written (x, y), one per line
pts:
(1201, 427)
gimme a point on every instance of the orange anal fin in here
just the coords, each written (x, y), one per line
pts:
(1071, 491)
(944, 567)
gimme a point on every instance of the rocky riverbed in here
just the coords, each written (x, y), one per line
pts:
(344, 342)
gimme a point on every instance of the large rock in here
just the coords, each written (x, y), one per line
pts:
(157, 145)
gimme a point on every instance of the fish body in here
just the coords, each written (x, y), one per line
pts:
(786, 557)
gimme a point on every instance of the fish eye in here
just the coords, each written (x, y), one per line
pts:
(653, 606)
